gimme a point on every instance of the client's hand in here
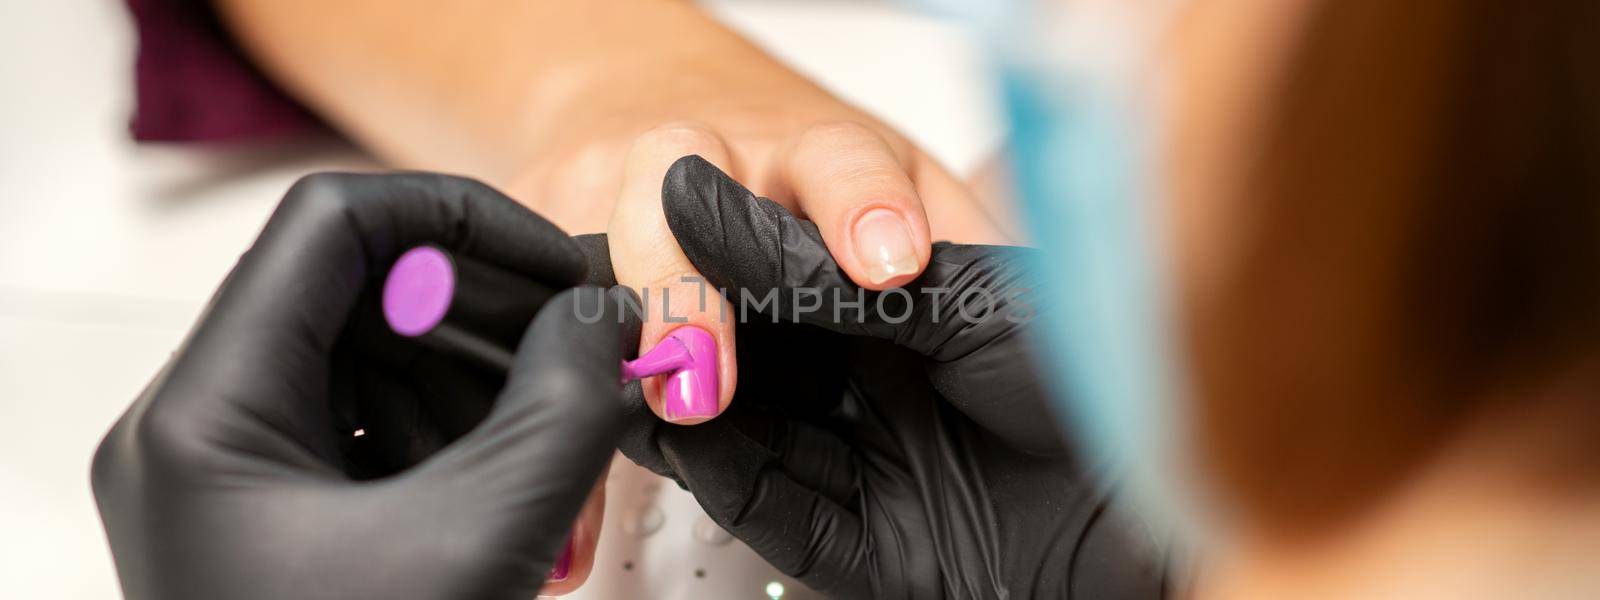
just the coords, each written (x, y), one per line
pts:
(877, 199)
(294, 449)
(577, 108)
(885, 445)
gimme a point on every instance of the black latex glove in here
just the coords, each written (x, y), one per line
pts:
(884, 459)
(237, 473)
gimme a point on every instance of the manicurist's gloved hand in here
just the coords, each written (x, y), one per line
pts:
(292, 448)
(885, 445)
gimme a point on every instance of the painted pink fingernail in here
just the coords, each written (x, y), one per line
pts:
(558, 572)
(688, 356)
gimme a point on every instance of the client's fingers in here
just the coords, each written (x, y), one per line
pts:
(576, 561)
(781, 266)
(965, 314)
(849, 182)
(646, 258)
(954, 212)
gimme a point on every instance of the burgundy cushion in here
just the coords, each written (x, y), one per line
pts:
(195, 84)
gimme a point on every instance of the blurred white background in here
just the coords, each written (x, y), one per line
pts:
(108, 249)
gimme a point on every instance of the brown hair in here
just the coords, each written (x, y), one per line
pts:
(1428, 194)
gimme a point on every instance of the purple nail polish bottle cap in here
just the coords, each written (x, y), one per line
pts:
(417, 293)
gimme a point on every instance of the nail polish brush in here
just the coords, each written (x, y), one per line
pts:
(480, 311)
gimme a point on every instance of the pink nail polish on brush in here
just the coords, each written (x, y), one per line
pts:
(688, 357)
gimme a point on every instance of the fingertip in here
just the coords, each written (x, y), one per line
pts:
(575, 563)
(852, 182)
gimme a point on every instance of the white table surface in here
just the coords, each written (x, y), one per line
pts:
(109, 249)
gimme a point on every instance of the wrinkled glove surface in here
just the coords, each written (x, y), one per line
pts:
(238, 473)
(885, 445)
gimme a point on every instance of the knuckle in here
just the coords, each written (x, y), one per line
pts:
(471, 549)
(562, 387)
(591, 160)
(586, 398)
(169, 437)
(154, 431)
(676, 139)
(567, 388)
(838, 133)
(583, 406)
(472, 185)
(318, 198)
(849, 153)
(865, 170)
(599, 414)
(321, 188)
(562, 187)
(108, 464)
(584, 170)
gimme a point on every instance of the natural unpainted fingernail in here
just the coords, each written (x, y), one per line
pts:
(883, 245)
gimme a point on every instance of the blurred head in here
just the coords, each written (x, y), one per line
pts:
(1371, 224)
(1385, 224)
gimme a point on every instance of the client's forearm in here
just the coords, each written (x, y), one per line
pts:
(473, 86)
